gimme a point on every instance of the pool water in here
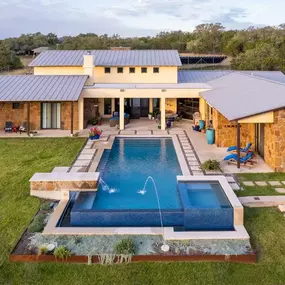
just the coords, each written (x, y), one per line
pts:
(207, 195)
(125, 168)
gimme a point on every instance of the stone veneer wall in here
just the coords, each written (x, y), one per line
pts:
(66, 115)
(17, 116)
(226, 131)
(274, 142)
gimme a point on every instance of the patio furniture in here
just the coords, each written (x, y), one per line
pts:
(234, 148)
(23, 127)
(115, 120)
(8, 127)
(232, 158)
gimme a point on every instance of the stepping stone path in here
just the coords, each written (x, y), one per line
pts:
(248, 183)
(280, 190)
(191, 158)
(84, 159)
(274, 183)
(261, 183)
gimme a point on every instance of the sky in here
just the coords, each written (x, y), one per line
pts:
(133, 17)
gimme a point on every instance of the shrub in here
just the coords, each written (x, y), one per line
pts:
(125, 246)
(45, 206)
(42, 250)
(210, 164)
(37, 224)
(62, 252)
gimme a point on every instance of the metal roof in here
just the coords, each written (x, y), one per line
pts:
(239, 95)
(200, 76)
(148, 86)
(41, 87)
(109, 58)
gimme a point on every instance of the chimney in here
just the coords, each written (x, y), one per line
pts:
(88, 67)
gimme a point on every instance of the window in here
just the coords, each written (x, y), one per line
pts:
(107, 106)
(16, 105)
(50, 115)
(156, 70)
(107, 70)
(144, 69)
(120, 69)
(132, 70)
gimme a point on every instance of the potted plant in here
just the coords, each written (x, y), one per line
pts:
(210, 135)
(94, 133)
(94, 122)
(150, 115)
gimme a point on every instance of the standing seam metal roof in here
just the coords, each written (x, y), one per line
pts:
(109, 58)
(41, 87)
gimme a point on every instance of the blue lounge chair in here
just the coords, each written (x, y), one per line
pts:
(243, 160)
(246, 149)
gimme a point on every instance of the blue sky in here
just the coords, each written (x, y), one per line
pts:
(132, 17)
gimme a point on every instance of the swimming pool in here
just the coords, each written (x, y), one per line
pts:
(126, 197)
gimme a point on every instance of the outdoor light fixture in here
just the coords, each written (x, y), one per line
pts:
(163, 90)
(122, 90)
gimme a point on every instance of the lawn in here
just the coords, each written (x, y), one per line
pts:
(20, 158)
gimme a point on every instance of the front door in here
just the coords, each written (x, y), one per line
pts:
(259, 130)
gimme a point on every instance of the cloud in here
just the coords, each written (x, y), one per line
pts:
(132, 17)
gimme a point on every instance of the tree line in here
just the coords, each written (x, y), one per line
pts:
(252, 49)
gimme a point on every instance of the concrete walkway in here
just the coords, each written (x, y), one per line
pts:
(262, 201)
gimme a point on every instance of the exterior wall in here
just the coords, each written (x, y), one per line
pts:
(17, 116)
(274, 142)
(171, 105)
(165, 75)
(226, 131)
(66, 115)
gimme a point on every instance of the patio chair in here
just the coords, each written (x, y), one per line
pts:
(232, 158)
(23, 127)
(245, 150)
(8, 127)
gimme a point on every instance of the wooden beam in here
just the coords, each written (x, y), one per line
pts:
(72, 115)
(28, 118)
(238, 145)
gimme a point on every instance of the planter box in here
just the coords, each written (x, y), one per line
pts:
(246, 258)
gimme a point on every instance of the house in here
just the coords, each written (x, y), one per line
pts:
(69, 88)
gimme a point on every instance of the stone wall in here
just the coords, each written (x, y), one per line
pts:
(17, 116)
(274, 142)
(66, 115)
(226, 131)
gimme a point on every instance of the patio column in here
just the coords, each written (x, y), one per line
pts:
(238, 145)
(72, 115)
(112, 105)
(150, 104)
(162, 113)
(28, 118)
(122, 112)
(81, 113)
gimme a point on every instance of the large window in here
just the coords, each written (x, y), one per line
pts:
(187, 107)
(50, 115)
(107, 106)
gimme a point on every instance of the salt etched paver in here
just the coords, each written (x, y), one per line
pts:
(195, 168)
(143, 132)
(187, 147)
(61, 169)
(75, 169)
(274, 183)
(230, 179)
(260, 183)
(190, 159)
(280, 190)
(191, 155)
(235, 186)
(194, 163)
(283, 182)
(160, 132)
(197, 173)
(248, 183)
(127, 132)
(81, 163)
(88, 151)
(85, 156)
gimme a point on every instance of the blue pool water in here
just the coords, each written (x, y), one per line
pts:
(120, 200)
(125, 169)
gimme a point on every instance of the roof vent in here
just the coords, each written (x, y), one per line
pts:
(251, 74)
(88, 52)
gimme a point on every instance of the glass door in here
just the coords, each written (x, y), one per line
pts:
(50, 115)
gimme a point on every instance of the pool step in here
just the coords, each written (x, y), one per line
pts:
(85, 200)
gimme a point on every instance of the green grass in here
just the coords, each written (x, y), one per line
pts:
(20, 158)
(270, 176)
(258, 191)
